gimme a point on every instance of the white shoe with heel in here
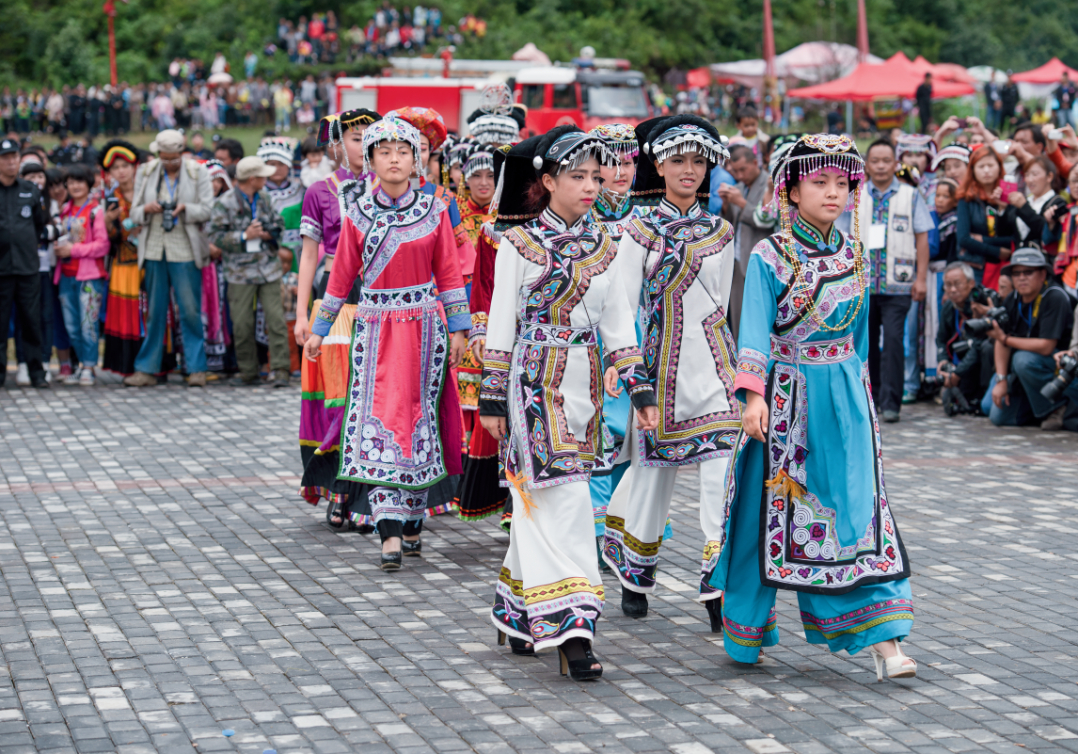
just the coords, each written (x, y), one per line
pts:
(898, 666)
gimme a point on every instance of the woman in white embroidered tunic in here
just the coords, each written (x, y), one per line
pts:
(677, 261)
(809, 511)
(553, 295)
(401, 429)
(613, 209)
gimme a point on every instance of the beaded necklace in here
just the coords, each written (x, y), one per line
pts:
(800, 286)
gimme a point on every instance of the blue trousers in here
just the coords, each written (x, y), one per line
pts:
(185, 280)
(80, 302)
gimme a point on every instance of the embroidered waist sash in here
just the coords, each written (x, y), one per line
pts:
(399, 304)
(556, 336)
(816, 352)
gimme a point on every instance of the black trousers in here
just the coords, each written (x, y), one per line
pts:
(886, 364)
(25, 292)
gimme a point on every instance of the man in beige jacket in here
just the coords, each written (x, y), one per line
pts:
(173, 198)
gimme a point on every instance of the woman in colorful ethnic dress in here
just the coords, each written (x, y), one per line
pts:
(123, 311)
(808, 507)
(677, 262)
(613, 209)
(216, 323)
(325, 382)
(479, 493)
(401, 428)
(553, 296)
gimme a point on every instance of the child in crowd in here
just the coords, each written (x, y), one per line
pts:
(315, 166)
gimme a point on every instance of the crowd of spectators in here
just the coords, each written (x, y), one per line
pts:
(144, 262)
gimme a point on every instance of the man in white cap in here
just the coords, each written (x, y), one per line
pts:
(247, 229)
(173, 197)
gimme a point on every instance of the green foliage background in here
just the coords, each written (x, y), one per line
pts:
(63, 41)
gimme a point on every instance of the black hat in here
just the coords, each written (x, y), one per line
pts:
(7, 146)
(118, 149)
(665, 136)
(561, 148)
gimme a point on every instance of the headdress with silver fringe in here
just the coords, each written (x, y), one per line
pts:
(391, 129)
(952, 152)
(813, 153)
(476, 157)
(620, 138)
(279, 148)
(683, 138)
(572, 149)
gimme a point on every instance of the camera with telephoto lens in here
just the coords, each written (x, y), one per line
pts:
(168, 219)
(1068, 370)
(982, 325)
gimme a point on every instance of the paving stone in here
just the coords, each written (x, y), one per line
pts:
(162, 582)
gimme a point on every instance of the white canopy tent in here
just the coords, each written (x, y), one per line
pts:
(813, 62)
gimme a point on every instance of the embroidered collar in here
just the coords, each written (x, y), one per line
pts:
(551, 219)
(610, 205)
(477, 209)
(668, 209)
(385, 201)
(812, 239)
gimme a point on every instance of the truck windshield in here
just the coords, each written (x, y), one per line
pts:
(617, 102)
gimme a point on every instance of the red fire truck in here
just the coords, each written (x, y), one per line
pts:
(454, 98)
(555, 95)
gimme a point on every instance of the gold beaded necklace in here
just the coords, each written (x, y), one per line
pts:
(799, 284)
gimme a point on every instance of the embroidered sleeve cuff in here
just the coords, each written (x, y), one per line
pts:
(630, 367)
(495, 377)
(479, 327)
(310, 228)
(327, 315)
(751, 371)
(455, 302)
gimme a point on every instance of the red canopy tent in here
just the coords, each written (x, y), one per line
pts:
(1049, 73)
(897, 77)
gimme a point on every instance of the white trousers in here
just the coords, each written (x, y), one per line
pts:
(638, 511)
(549, 589)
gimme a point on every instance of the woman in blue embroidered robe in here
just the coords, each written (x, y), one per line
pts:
(808, 508)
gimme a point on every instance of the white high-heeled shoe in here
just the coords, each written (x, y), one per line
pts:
(898, 666)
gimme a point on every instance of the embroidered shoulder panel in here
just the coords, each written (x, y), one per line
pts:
(385, 229)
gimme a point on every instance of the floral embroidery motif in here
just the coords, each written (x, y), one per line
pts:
(683, 243)
(549, 613)
(531, 376)
(636, 562)
(799, 544)
(369, 452)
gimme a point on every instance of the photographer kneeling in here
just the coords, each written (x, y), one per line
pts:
(1037, 323)
(966, 354)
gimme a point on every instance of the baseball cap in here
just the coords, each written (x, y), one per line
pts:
(7, 146)
(252, 167)
(1027, 258)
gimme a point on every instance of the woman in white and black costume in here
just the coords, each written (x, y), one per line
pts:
(677, 262)
(542, 376)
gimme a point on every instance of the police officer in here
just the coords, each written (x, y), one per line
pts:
(22, 225)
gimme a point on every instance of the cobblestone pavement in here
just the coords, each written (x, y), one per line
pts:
(163, 583)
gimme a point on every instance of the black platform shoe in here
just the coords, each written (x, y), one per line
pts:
(412, 549)
(391, 561)
(633, 604)
(579, 670)
(714, 612)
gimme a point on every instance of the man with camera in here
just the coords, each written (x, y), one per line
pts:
(247, 229)
(966, 354)
(1036, 323)
(173, 197)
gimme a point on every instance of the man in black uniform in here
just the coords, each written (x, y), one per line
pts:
(22, 225)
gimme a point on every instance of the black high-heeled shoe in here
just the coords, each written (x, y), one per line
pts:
(579, 670)
(391, 561)
(365, 529)
(339, 510)
(633, 604)
(412, 549)
(516, 645)
(714, 612)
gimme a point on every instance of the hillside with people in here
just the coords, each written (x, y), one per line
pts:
(66, 40)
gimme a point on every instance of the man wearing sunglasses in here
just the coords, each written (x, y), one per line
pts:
(1040, 317)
